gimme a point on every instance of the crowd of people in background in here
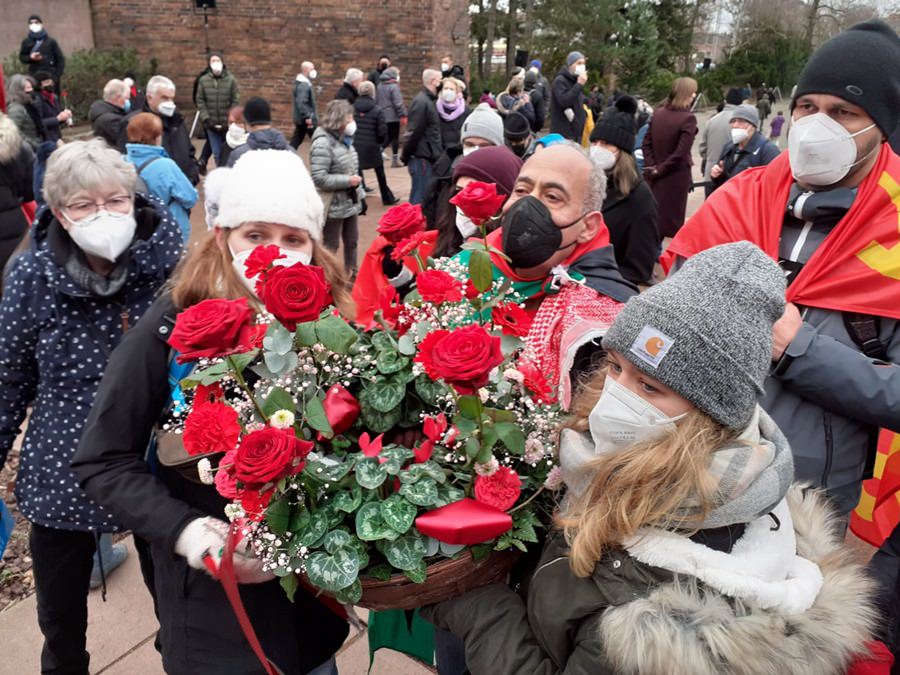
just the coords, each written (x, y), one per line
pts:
(596, 186)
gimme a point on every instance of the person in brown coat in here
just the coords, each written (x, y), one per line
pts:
(667, 154)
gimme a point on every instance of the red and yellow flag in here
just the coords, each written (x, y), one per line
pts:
(878, 511)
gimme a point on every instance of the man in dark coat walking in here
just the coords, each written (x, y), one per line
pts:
(350, 86)
(108, 116)
(161, 101)
(567, 115)
(39, 51)
(423, 143)
(306, 119)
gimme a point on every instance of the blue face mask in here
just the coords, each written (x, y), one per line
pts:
(128, 105)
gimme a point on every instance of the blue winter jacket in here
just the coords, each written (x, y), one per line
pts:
(55, 340)
(165, 180)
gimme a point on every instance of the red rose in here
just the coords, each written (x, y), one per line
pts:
(438, 287)
(408, 246)
(501, 489)
(215, 327)
(211, 427)
(463, 357)
(536, 382)
(226, 483)
(479, 201)
(269, 455)
(295, 294)
(400, 222)
(512, 319)
(261, 259)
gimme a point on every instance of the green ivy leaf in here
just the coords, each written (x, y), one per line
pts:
(370, 473)
(350, 595)
(289, 583)
(370, 524)
(376, 421)
(329, 472)
(383, 341)
(332, 572)
(315, 530)
(348, 502)
(383, 395)
(512, 437)
(405, 553)
(421, 493)
(336, 334)
(481, 270)
(429, 390)
(417, 574)
(398, 513)
(390, 361)
(430, 469)
(278, 516)
(315, 416)
(336, 539)
(447, 494)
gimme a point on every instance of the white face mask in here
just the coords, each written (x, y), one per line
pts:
(739, 135)
(350, 129)
(821, 150)
(580, 69)
(216, 67)
(444, 67)
(167, 108)
(448, 95)
(239, 262)
(469, 149)
(128, 82)
(464, 224)
(622, 418)
(313, 74)
(104, 234)
(603, 158)
(35, 27)
(236, 135)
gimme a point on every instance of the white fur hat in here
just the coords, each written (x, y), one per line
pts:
(213, 187)
(271, 186)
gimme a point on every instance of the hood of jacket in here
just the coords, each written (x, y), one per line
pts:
(156, 249)
(267, 139)
(566, 73)
(99, 108)
(10, 139)
(140, 152)
(788, 593)
(602, 274)
(386, 77)
(304, 79)
(364, 104)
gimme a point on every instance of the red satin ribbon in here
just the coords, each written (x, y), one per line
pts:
(341, 409)
(465, 522)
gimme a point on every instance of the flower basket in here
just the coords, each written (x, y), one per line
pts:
(446, 579)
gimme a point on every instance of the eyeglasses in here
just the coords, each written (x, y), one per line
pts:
(85, 208)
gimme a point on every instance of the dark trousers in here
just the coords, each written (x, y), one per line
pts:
(386, 195)
(300, 132)
(393, 129)
(62, 562)
(346, 231)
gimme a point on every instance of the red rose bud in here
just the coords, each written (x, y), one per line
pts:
(295, 294)
(214, 328)
(463, 357)
(341, 408)
(401, 222)
(466, 522)
(479, 201)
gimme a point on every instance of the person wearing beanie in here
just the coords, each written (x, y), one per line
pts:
(518, 135)
(629, 209)
(262, 135)
(423, 145)
(746, 149)
(39, 51)
(267, 199)
(826, 210)
(567, 99)
(481, 129)
(538, 99)
(716, 134)
(50, 106)
(681, 545)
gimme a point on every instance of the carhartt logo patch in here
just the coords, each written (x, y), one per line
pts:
(651, 346)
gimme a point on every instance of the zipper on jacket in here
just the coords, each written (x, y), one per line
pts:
(829, 448)
(124, 316)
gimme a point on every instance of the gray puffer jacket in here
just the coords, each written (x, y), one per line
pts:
(389, 98)
(332, 163)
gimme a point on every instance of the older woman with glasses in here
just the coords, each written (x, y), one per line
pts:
(98, 255)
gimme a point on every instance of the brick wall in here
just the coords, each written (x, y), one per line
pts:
(264, 41)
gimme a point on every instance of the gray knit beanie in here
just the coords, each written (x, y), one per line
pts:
(483, 122)
(706, 332)
(573, 57)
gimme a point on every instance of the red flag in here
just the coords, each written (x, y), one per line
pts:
(878, 511)
(856, 268)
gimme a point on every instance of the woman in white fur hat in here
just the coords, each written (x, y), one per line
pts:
(267, 198)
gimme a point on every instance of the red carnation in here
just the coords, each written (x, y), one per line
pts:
(501, 489)
(255, 503)
(226, 483)
(479, 201)
(536, 382)
(400, 222)
(208, 393)
(215, 327)
(261, 259)
(295, 294)
(408, 246)
(463, 357)
(211, 427)
(438, 287)
(268, 455)
(512, 319)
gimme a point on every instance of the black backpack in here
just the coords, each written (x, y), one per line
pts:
(141, 183)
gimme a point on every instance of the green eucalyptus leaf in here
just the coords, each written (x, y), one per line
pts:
(421, 493)
(332, 572)
(481, 270)
(398, 513)
(278, 339)
(406, 345)
(406, 552)
(370, 473)
(512, 437)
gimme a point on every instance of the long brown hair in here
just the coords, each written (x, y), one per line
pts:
(682, 94)
(648, 483)
(624, 174)
(206, 272)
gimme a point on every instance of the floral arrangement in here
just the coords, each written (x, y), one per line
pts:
(350, 453)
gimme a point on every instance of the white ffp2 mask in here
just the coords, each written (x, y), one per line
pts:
(104, 234)
(821, 151)
(622, 418)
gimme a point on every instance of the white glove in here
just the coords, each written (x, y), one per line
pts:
(569, 113)
(208, 536)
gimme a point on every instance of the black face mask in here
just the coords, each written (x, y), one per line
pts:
(48, 88)
(530, 237)
(519, 148)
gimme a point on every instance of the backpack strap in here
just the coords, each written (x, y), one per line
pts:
(863, 329)
(147, 163)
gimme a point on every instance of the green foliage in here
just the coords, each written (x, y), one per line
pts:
(87, 71)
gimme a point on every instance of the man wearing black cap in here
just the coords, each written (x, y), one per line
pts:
(39, 51)
(716, 134)
(518, 136)
(827, 211)
(263, 136)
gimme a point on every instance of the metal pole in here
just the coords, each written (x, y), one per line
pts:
(206, 28)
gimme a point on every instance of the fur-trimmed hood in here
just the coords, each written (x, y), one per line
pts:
(789, 598)
(10, 139)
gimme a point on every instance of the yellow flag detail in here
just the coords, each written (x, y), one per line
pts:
(884, 260)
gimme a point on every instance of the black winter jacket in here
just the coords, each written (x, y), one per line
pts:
(53, 58)
(111, 467)
(347, 92)
(16, 187)
(55, 341)
(759, 152)
(633, 231)
(567, 94)
(261, 139)
(423, 135)
(177, 143)
(109, 122)
(371, 132)
(49, 110)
